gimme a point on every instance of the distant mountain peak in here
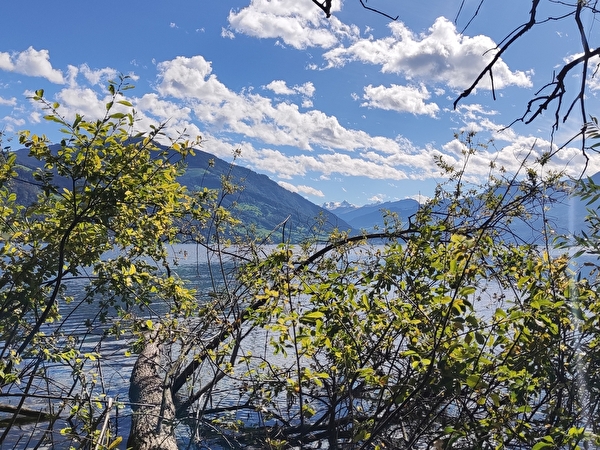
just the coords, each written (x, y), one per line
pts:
(331, 206)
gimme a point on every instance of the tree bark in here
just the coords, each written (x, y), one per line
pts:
(152, 424)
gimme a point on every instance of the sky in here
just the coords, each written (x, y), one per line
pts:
(356, 107)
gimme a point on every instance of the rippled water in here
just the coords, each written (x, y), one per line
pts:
(105, 378)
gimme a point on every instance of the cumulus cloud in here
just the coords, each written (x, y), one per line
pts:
(162, 109)
(400, 98)
(593, 81)
(280, 87)
(301, 189)
(228, 34)
(84, 101)
(440, 55)
(8, 101)
(377, 198)
(31, 62)
(288, 166)
(255, 116)
(475, 111)
(297, 24)
(95, 76)
(307, 89)
(11, 124)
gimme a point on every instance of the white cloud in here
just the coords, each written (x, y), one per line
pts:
(288, 166)
(377, 198)
(95, 76)
(162, 109)
(401, 162)
(400, 98)
(441, 55)
(255, 116)
(11, 124)
(279, 87)
(593, 81)
(8, 101)
(83, 101)
(228, 34)
(35, 117)
(474, 111)
(31, 62)
(307, 89)
(297, 23)
(301, 189)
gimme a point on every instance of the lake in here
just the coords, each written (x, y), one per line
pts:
(109, 376)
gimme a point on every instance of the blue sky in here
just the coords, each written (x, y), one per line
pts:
(353, 108)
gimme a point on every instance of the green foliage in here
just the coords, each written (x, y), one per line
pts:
(447, 332)
(451, 334)
(107, 232)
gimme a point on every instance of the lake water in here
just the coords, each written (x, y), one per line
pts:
(105, 378)
(112, 372)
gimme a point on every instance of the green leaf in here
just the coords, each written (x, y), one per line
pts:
(311, 317)
(473, 381)
(466, 291)
(546, 442)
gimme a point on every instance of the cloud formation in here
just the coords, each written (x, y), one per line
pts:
(255, 116)
(301, 189)
(280, 87)
(409, 99)
(442, 55)
(275, 132)
(31, 62)
(8, 101)
(296, 23)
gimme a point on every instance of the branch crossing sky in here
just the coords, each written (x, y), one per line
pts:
(354, 107)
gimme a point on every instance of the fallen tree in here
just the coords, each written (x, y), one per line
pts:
(153, 418)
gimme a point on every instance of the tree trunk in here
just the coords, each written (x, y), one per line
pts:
(152, 424)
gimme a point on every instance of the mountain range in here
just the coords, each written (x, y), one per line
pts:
(260, 203)
(370, 217)
(270, 210)
(565, 215)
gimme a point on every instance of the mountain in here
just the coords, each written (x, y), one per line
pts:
(370, 217)
(564, 215)
(260, 203)
(263, 205)
(338, 206)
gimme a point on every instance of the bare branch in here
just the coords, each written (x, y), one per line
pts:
(472, 17)
(325, 6)
(516, 34)
(558, 92)
(377, 11)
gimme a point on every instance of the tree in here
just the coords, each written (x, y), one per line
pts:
(108, 205)
(451, 334)
(442, 330)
